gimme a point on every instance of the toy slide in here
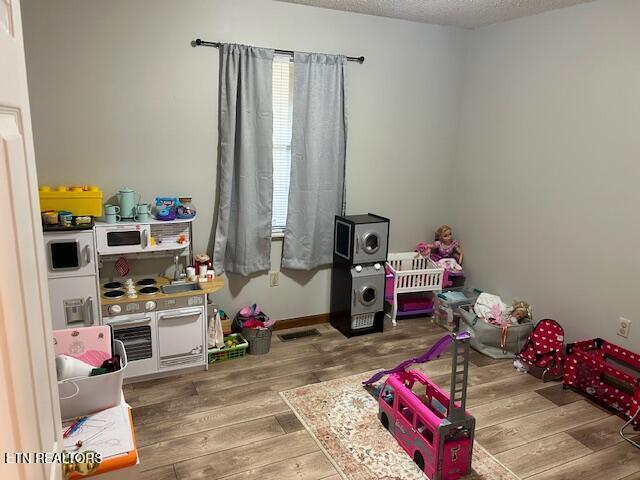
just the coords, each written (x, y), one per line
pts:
(434, 352)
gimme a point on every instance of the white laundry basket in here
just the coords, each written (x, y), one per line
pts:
(82, 396)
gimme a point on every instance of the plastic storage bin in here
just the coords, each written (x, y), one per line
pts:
(447, 314)
(259, 340)
(80, 200)
(226, 353)
(82, 396)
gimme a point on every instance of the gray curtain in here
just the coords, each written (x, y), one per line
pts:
(318, 149)
(243, 232)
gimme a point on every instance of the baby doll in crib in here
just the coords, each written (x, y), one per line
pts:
(445, 251)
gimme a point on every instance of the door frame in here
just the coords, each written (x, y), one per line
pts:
(29, 402)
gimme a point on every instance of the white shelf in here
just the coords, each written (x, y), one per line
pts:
(170, 250)
(170, 247)
(151, 221)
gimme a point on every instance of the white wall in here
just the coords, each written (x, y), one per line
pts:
(543, 167)
(546, 180)
(119, 98)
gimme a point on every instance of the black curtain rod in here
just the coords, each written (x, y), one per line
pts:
(203, 43)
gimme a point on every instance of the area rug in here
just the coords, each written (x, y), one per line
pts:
(341, 416)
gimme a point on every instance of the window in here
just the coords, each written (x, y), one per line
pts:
(424, 431)
(438, 407)
(282, 114)
(387, 395)
(406, 412)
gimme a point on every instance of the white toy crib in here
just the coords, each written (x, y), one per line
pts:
(413, 273)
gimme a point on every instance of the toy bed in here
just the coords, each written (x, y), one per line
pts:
(607, 374)
(410, 272)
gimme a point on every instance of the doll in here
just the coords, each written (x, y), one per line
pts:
(492, 309)
(443, 247)
(519, 311)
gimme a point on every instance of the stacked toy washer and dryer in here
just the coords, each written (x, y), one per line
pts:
(360, 247)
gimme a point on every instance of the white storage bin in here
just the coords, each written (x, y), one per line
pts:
(82, 396)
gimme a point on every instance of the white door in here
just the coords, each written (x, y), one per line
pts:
(181, 337)
(29, 406)
(73, 302)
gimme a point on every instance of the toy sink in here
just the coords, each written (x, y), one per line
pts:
(181, 287)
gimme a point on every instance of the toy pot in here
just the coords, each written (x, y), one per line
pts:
(127, 202)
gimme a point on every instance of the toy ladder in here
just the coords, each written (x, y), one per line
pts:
(459, 374)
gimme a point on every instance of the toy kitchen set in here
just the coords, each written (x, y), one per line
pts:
(96, 275)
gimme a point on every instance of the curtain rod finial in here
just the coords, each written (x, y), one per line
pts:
(360, 59)
(196, 43)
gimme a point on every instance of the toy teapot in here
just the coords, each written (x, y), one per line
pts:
(127, 202)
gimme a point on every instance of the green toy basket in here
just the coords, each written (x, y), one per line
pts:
(229, 353)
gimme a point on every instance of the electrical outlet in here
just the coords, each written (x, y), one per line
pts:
(274, 278)
(624, 327)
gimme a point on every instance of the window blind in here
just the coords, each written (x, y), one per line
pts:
(282, 113)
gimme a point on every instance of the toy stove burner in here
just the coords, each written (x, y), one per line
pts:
(145, 282)
(112, 285)
(148, 290)
(114, 294)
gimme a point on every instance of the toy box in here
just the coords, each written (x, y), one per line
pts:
(79, 200)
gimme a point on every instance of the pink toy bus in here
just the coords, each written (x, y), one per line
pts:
(432, 426)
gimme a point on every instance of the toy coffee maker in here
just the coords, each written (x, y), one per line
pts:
(202, 264)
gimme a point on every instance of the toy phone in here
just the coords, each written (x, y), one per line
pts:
(166, 202)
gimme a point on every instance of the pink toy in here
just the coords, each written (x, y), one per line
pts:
(608, 375)
(432, 426)
(545, 349)
(92, 345)
(251, 311)
(423, 249)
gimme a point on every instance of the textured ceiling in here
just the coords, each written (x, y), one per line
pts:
(461, 13)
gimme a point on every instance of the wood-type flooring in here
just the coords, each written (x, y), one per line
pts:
(230, 423)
